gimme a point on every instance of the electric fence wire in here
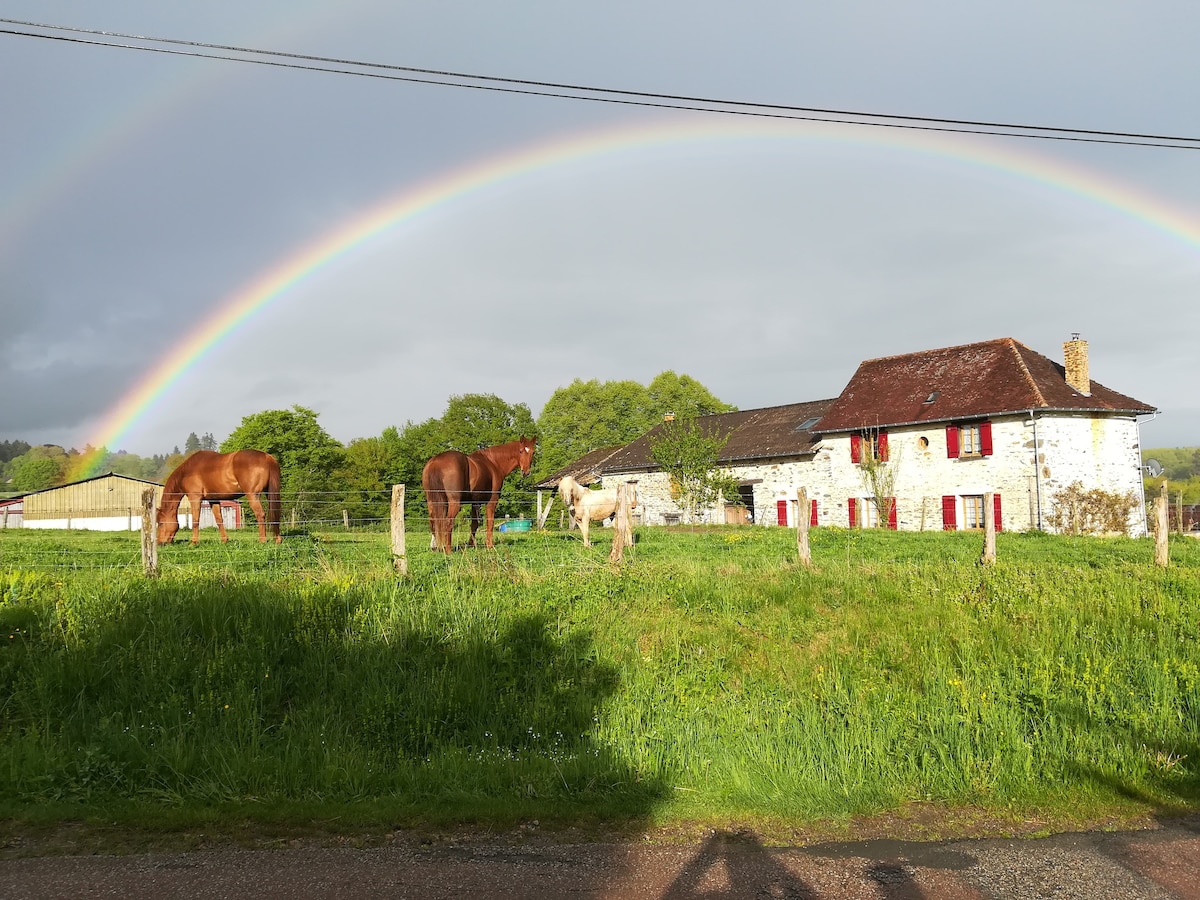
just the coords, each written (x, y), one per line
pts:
(589, 93)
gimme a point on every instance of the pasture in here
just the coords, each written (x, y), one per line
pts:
(708, 679)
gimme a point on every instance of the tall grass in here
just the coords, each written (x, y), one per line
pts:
(708, 677)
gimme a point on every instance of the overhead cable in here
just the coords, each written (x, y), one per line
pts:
(561, 90)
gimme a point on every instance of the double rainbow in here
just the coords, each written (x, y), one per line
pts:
(275, 282)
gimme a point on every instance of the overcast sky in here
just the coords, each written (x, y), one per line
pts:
(140, 193)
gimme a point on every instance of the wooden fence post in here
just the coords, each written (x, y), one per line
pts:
(989, 529)
(630, 494)
(544, 512)
(149, 534)
(1162, 554)
(620, 525)
(346, 518)
(399, 552)
(802, 516)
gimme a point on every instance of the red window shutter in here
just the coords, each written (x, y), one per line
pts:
(812, 518)
(949, 519)
(893, 520)
(856, 448)
(853, 504)
(781, 512)
(985, 438)
(882, 446)
(996, 510)
(952, 441)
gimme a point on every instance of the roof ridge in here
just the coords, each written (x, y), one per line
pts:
(936, 350)
(1037, 390)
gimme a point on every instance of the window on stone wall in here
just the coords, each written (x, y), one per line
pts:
(973, 511)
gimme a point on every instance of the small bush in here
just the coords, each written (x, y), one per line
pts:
(1078, 511)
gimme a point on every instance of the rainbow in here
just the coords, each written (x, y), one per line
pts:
(1006, 157)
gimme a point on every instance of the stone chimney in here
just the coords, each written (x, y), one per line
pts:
(1075, 359)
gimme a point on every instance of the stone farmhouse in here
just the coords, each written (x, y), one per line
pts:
(948, 427)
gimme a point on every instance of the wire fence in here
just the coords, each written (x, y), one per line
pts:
(322, 530)
(351, 531)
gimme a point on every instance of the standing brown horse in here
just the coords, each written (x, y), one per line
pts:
(206, 475)
(453, 479)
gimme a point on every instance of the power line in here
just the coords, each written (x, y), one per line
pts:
(559, 90)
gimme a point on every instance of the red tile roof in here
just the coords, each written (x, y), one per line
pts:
(773, 432)
(970, 381)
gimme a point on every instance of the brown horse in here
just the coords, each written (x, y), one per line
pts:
(206, 475)
(453, 479)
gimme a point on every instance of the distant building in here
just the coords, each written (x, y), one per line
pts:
(108, 502)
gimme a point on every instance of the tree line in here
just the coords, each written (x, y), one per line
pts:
(1181, 468)
(325, 477)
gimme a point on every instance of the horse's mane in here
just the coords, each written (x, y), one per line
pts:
(171, 485)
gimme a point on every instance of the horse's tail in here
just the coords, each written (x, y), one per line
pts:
(274, 500)
(436, 502)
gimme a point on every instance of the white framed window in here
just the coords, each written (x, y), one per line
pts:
(969, 443)
(972, 512)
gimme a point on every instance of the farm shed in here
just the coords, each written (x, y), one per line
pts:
(108, 502)
(12, 512)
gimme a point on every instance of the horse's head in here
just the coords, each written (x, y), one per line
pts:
(525, 453)
(167, 518)
(566, 490)
(167, 527)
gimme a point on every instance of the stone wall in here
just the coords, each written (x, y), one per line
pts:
(1097, 451)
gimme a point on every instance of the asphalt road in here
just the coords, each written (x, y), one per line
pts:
(1148, 864)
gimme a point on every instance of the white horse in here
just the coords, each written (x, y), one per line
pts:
(586, 505)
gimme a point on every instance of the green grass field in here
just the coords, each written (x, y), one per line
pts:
(706, 679)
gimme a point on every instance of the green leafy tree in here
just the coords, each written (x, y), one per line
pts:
(308, 458)
(39, 468)
(192, 444)
(10, 450)
(588, 415)
(683, 396)
(370, 468)
(473, 421)
(688, 452)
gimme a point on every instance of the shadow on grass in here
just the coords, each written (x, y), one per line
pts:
(208, 696)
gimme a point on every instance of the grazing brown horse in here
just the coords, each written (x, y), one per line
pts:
(206, 475)
(453, 479)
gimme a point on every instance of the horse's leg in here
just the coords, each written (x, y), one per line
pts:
(583, 527)
(216, 511)
(491, 519)
(194, 501)
(453, 505)
(474, 523)
(256, 505)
